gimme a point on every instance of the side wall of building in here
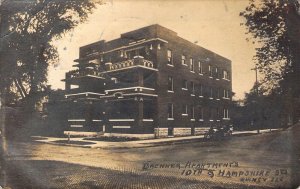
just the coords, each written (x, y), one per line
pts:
(200, 105)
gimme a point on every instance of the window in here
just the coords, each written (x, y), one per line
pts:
(184, 84)
(170, 84)
(218, 113)
(201, 90)
(211, 92)
(217, 73)
(192, 66)
(210, 71)
(200, 67)
(149, 110)
(170, 59)
(218, 93)
(192, 112)
(211, 114)
(226, 75)
(226, 93)
(201, 114)
(184, 110)
(170, 111)
(183, 60)
(192, 88)
(225, 113)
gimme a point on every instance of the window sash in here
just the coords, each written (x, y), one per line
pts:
(192, 66)
(200, 67)
(225, 113)
(201, 112)
(170, 83)
(201, 90)
(211, 114)
(169, 54)
(193, 112)
(192, 87)
(183, 60)
(226, 93)
(225, 74)
(184, 84)
(211, 93)
(210, 71)
(185, 109)
(170, 111)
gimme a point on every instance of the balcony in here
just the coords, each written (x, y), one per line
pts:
(137, 61)
(84, 73)
(130, 92)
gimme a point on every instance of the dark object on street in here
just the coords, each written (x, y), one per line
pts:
(218, 132)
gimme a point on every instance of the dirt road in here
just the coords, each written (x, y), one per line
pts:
(266, 160)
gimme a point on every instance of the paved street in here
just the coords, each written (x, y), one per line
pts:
(257, 161)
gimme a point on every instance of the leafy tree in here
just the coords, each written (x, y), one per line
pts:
(258, 111)
(28, 28)
(275, 26)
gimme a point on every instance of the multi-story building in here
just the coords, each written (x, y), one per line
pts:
(148, 81)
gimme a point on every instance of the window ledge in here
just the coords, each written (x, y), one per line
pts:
(170, 91)
(200, 96)
(210, 77)
(211, 120)
(192, 71)
(184, 114)
(170, 119)
(170, 65)
(217, 99)
(211, 98)
(201, 119)
(217, 79)
(200, 73)
(192, 95)
(226, 98)
(184, 64)
(184, 89)
(226, 118)
(192, 119)
(148, 120)
(218, 120)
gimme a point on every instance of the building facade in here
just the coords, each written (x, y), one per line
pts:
(148, 81)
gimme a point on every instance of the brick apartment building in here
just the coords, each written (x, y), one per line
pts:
(148, 81)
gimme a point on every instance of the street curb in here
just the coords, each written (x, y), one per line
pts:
(144, 144)
(62, 144)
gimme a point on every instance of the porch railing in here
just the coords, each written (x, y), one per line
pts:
(137, 61)
(80, 73)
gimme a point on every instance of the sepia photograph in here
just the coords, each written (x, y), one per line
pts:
(150, 94)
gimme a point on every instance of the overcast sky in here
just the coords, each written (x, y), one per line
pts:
(214, 24)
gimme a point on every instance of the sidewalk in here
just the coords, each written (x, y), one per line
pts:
(133, 144)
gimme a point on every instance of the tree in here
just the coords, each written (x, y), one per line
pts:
(26, 47)
(275, 26)
(257, 111)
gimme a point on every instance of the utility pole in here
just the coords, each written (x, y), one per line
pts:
(256, 103)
